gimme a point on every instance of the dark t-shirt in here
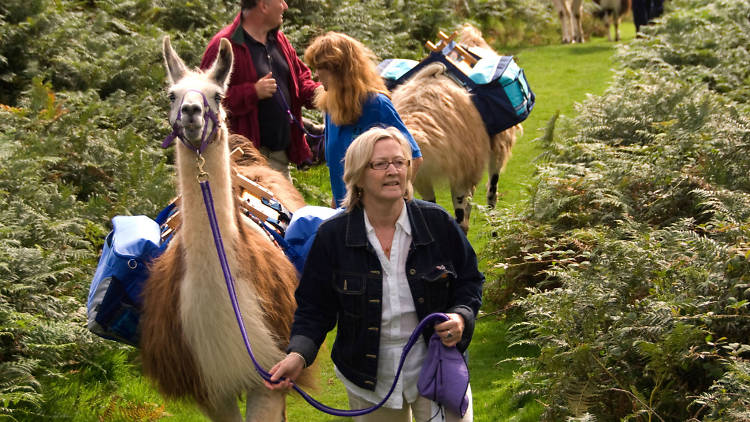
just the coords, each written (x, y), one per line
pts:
(272, 118)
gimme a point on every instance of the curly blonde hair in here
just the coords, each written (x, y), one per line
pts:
(355, 77)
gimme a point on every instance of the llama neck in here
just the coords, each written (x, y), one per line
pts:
(195, 230)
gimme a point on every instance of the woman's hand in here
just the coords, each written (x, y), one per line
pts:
(289, 368)
(451, 331)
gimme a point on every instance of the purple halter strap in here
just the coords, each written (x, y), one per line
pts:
(178, 130)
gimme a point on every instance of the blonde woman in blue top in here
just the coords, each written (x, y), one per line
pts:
(354, 100)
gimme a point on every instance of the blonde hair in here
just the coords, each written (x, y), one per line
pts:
(355, 77)
(358, 157)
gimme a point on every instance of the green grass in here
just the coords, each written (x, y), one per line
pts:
(560, 76)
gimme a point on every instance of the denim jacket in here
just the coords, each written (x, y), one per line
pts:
(342, 284)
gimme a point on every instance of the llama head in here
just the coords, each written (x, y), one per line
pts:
(196, 111)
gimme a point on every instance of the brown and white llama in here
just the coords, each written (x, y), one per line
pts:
(449, 130)
(191, 345)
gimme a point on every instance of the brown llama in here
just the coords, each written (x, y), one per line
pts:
(191, 345)
(451, 134)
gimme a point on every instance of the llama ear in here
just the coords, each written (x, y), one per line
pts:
(222, 67)
(175, 67)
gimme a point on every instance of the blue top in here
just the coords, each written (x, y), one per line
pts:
(376, 111)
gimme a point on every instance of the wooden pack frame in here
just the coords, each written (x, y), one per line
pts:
(463, 58)
(256, 202)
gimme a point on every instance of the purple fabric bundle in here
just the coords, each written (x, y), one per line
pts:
(444, 378)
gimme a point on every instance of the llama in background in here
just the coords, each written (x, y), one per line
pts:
(570, 12)
(455, 145)
(611, 11)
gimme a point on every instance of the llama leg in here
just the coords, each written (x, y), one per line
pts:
(225, 410)
(577, 13)
(494, 176)
(265, 406)
(462, 206)
(565, 22)
(617, 19)
(425, 189)
(562, 14)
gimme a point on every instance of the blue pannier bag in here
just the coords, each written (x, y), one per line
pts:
(301, 232)
(114, 300)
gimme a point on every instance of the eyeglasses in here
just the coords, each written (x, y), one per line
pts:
(398, 164)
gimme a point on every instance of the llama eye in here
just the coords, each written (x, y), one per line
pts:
(218, 97)
(172, 97)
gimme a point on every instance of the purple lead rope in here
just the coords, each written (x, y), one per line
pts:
(285, 106)
(209, 202)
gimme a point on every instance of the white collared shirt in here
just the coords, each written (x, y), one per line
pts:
(399, 319)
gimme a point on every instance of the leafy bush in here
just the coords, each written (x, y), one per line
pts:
(634, 246)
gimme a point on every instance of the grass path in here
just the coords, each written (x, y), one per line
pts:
(560, 76)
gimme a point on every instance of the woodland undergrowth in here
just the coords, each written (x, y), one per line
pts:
(630, 263)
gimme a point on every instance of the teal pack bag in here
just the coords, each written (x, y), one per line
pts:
(498, 86)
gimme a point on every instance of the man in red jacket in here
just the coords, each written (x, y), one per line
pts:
(267, 77)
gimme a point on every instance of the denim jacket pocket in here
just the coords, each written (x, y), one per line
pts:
(438, 284)
(351, 288)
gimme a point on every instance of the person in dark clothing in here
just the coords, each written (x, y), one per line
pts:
(267, 77)
(646, 10)
(374, 271)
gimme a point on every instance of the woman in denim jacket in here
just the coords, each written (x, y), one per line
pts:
(375, 271)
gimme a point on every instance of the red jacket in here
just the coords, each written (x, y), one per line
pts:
(241, 99)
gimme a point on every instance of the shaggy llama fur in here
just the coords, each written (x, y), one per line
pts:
(191, 344)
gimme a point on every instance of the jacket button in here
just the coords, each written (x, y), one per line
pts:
(412, 271)
(420, 300)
